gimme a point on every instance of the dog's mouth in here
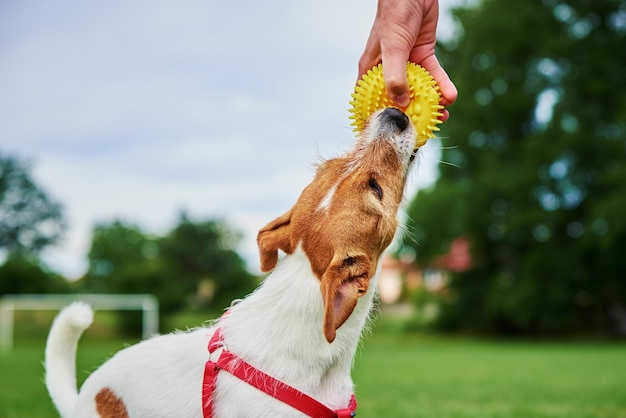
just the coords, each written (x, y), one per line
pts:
(393, 124)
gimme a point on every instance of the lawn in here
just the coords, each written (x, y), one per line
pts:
(413, 376)
(397, 375)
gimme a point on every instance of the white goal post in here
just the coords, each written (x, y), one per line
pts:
(11, 303)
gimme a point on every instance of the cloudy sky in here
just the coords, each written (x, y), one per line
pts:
(136, 110)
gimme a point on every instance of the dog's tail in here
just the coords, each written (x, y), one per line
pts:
(60, 362)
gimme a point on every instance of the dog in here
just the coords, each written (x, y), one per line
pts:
(295, 335)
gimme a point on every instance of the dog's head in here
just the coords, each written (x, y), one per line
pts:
(346, 217)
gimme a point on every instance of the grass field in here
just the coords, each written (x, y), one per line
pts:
(397, 375)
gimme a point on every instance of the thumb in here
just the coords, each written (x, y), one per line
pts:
(396, 82)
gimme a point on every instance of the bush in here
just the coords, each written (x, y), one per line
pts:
(22, 274)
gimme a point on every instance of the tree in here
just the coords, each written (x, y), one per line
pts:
(540, 129)
(204, 253)
(124, 259)
(29, 219)
(25, 274)
(175, 267)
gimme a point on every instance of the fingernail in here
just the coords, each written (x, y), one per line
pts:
(403, 100)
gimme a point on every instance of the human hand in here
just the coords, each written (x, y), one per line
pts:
(405, 30)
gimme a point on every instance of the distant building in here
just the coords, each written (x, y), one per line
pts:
(398, 277)
(458, 259)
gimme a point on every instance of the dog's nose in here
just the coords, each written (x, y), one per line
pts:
(396, 117)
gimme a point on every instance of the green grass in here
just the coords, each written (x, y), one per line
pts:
(397, 375)
(413, 376)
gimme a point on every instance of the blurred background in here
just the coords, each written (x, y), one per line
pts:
(143, 144)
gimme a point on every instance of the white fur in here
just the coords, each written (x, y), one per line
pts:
(325, 203)
(288, 341)
(288, 345)
(277, 329)
(61, 352)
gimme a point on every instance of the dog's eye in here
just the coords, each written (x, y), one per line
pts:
(375, 187)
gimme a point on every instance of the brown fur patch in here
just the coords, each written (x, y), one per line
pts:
(109, 405)
(343, 238)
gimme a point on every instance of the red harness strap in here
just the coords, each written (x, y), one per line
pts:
(287, 394)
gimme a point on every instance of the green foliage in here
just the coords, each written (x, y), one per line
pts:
(204, 253)
(29, 222)
(539, 137)
(25, 274)
(29, 219)
(175, 267)
(123, 259)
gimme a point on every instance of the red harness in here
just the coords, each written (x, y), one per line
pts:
(236, 366)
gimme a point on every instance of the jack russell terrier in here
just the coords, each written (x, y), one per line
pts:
(286, 350)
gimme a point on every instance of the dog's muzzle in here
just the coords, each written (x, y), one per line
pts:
(394, 117)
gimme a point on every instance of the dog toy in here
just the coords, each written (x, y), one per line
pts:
(424, 110)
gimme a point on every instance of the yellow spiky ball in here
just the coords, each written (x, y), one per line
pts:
(424, 110)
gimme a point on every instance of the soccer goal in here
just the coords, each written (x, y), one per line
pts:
(11, 303)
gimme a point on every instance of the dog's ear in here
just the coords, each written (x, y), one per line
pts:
(346, 279)
(275, 236)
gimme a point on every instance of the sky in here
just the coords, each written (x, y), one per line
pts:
(138, 110)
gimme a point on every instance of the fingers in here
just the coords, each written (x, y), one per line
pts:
(394, 69)
(405, 31)
(396, 82)
(370, 58)
(447, 88)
